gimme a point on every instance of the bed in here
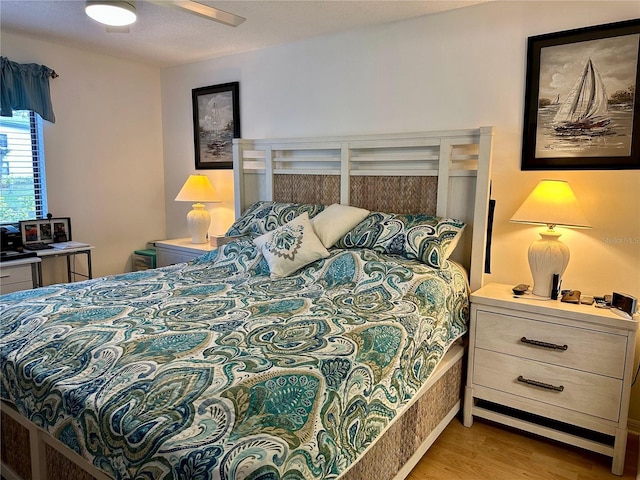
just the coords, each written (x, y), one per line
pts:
(245, 365)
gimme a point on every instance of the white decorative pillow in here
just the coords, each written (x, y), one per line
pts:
(291, 246)
(335, 221)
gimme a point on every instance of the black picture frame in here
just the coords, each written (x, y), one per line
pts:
(216, 122)
(53, 230)
(559, 66)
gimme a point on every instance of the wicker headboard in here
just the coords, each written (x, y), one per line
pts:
(378, 194)
(444, 173)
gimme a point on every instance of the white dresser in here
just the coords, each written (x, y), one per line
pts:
(22, 274)
(169, 252)
(555, 369)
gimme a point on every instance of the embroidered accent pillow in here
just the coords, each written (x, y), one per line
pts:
(262, 217)
(336, 220)
(291, 246)
(426, 238)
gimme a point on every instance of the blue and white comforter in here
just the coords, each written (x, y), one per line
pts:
(212, 370)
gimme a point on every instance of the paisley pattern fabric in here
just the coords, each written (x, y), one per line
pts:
(263, 216)
(415, 236)
(212, 370)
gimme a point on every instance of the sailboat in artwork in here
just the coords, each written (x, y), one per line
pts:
(584, 112)
(216, 143)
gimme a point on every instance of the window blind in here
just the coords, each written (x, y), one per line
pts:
(22, 177)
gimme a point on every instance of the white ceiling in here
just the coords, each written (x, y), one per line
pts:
(165, 36)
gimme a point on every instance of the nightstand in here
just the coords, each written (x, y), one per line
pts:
(559, 370)
(179, 250)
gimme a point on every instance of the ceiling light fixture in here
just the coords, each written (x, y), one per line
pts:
(112, 13)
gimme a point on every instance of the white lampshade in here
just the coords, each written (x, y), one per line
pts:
(113, 13)
(198, 189)
(551, 203)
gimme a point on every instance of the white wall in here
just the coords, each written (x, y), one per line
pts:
(459, 69)
(179, 152)
(103, 155)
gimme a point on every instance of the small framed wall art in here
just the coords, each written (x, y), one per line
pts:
(216, 122)
(582, 110)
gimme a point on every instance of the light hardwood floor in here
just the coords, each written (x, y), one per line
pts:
(489, 451)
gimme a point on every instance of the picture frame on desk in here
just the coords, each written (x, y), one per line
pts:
(51, 230)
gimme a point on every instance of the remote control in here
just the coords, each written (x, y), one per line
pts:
(520, 289)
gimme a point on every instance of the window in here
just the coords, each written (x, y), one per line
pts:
(22, 181)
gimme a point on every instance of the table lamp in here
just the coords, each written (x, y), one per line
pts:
(551, 203)
(198, 189)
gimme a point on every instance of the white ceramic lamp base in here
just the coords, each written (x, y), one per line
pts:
(547, 256)
(198, 221)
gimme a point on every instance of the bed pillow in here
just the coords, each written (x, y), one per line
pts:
(291, 246)
(426, 238)
(334, 221)
(262, 217)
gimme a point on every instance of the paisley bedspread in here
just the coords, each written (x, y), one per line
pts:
(212, 370)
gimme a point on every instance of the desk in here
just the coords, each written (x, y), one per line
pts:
(68, 253)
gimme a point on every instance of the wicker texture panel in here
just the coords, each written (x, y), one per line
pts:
(15, 447)
(319, 189)
(60, 467)
(395, 448)
(395, 194)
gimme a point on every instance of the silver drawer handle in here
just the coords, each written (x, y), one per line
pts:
(538, 343)
(535, 383)
(5, 276)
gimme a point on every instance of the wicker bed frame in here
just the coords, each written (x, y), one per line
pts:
(444, 173)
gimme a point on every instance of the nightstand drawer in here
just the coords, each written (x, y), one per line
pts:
(587, 350)
(583, 392)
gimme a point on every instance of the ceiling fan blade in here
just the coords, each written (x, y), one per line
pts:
(202, 10)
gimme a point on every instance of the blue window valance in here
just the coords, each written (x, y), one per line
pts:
(25, 87)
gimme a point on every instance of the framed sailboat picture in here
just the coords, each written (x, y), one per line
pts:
(216, 122)
(582, 105)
